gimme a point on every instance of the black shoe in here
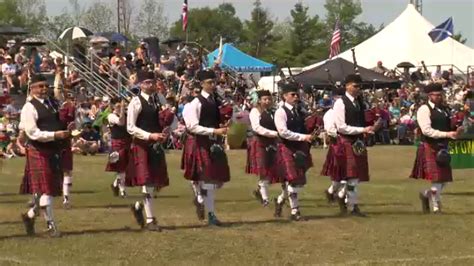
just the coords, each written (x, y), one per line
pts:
(138, 214)
(278, 207)
(212, 220)
(52, 229)
(258, 195)
(265, 203)
(66, 203)
(296, 216)
(153, 226)
(115, 190)
(356, 212)
(199, 209)
(330, 197)
(29, 224)
(425, 203)
(342, 205)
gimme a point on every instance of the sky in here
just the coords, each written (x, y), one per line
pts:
(376, 12)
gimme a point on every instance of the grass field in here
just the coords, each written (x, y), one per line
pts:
(99, 229)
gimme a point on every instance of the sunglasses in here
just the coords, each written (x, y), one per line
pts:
(355, 85)
(436, 95)
(41, 86)
(293, 94)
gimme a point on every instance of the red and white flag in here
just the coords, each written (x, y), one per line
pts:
(335, 41)
(184, 15)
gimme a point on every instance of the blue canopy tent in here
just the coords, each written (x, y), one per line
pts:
(234, 59)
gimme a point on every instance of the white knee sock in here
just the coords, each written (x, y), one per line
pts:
(46, 203)
(147, 202)
(435, 195)
(352, 192)
(342, 189)
(334, 187)
(209, 200)
(120, 181)
(263, 185)
(196, 186)
(67, 182)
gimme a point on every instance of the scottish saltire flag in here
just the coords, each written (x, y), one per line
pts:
(443, 31)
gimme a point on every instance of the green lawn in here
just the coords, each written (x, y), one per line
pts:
(99, 229)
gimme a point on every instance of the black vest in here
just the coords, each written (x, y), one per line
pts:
(267, 121)
(210, 115)
(440, 120)
(295, 123)
(354, 117)
(119, 132)
(149, 119)
(48, 120)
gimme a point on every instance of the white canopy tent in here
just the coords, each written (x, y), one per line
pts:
(406, 39)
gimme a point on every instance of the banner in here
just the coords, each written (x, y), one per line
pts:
(462, 153)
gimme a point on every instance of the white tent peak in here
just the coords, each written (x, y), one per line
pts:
(406, 39)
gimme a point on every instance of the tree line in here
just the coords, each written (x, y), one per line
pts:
(301, 39)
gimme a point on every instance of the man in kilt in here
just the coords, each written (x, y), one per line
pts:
(261, 147)
(147, 163)
(121, 141)
(350, 152)
(329, 165)
(294, 150)
(67, 115)
(432, 159)
(205, 161)
(43, 172)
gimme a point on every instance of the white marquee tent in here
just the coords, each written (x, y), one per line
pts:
(406, 39)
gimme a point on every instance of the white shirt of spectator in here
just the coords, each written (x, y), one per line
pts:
(192, 114)
(280, 123)
(114, 119)
(340, 118)
(255, 116)
(28, 118)
(8, 69)
(330, 123)
(134, 109)
(423, 117)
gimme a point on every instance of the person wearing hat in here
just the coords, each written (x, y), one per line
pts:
(351, 154)
(43, 170)
(9, 70)
(432, 161)
(121, 141)
(67, 115)
(329, 165)
(205, 164)
(294, 150)
(147, 164)
(261, 147)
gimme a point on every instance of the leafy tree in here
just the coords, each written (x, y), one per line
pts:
(30, 14)
(97, 17)
(257, 34)
(151, 20)
(458, 37)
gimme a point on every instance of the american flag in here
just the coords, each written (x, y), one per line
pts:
(335, 41)
(185, 15)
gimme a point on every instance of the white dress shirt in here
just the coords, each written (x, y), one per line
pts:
(423, 116)
(340, 118)
(192, 114)
(134, 109)
(330, 123)
(28, 118)
(280, 123)
(114, 119)
(255, 116)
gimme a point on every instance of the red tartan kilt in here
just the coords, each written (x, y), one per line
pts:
(425, 166)
(39, 176)
(66, 157)
(139, 171)
(329, 166)
(347, 164)
(256, 162)
(184, 153)
(122, 146)
(286, 167)
(197, 162)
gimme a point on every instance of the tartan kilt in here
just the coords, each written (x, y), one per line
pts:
(141, 172)
(122, 146)
(197, 162)
(287, 170)
(425, 166)
(256, 159)
(184, 153)
(347, 164)
(329, 166)
(66, 157)
(39, 175)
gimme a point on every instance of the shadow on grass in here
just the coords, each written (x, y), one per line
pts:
(107, 206)
(8, 194)
(10, 222)
(140, 197)
(13, 201)
(73, 233)
(461, 193)
(83, 191)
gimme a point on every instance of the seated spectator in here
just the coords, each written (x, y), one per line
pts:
(88, 142)
(45, 65)
(9, 70)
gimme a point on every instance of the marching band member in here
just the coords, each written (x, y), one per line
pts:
(262, 146)
(43, 171)
(147, 164)
(294, 150)
(432, 161)
(204, 159)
